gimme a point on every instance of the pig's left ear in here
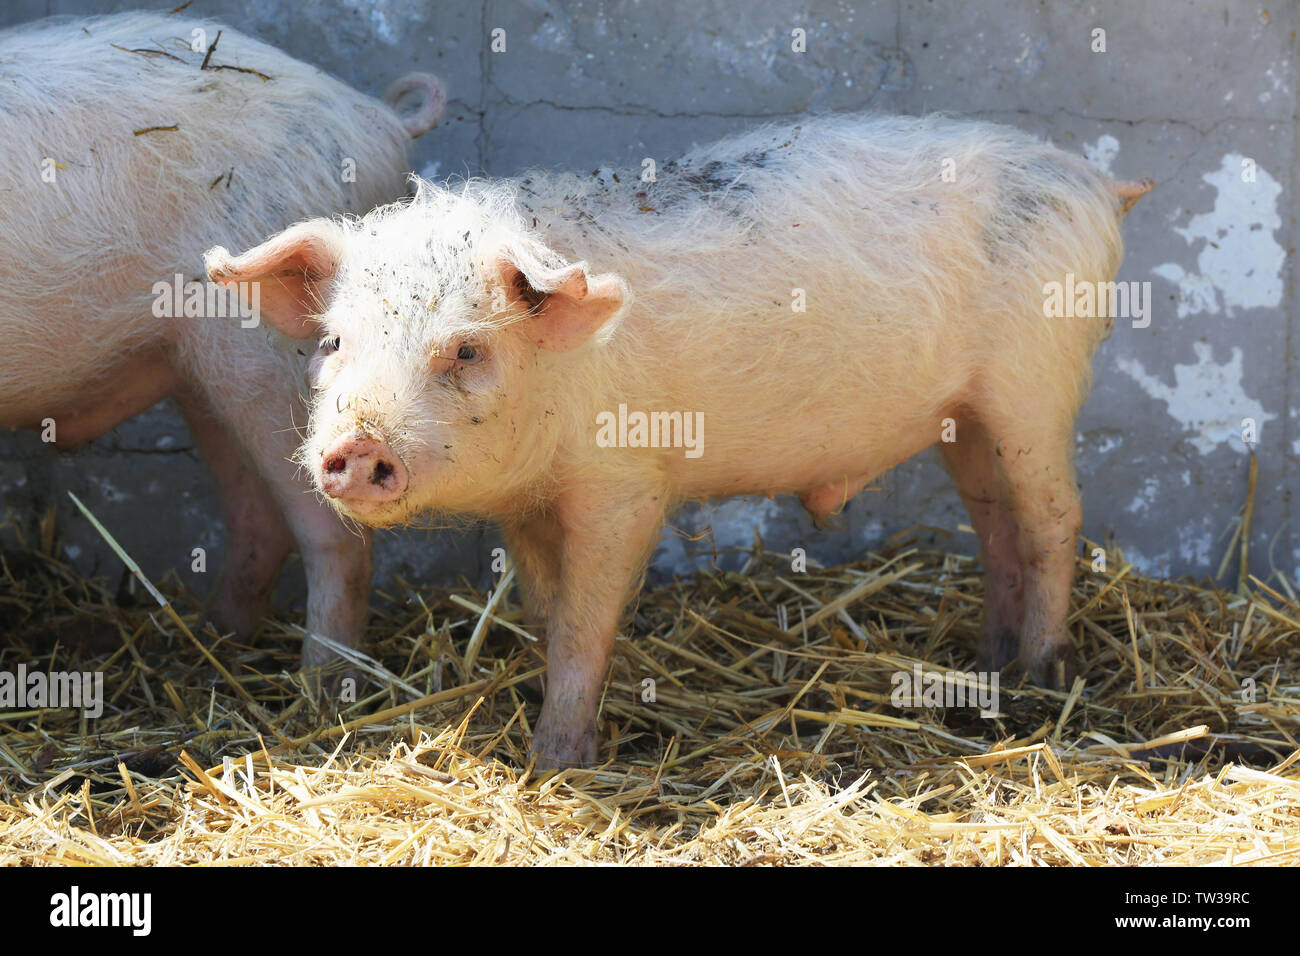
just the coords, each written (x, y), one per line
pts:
(566, 305)
(292, 271)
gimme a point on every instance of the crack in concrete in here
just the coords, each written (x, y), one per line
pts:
(481, 140)
(636, 110)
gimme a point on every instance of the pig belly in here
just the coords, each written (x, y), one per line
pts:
(127, 389)
(825, 474)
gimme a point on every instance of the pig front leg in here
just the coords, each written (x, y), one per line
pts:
(603, 546)
(533, 543)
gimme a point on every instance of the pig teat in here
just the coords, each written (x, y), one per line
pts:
(359, 467)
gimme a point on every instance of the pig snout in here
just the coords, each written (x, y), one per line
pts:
(361, 468)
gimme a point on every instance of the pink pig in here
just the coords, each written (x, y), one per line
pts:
(124, 154)
(794, 310)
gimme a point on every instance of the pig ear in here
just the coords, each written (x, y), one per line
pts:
(566, 304)
(292, 271)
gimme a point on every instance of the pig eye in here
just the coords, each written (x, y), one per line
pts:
(469, 354)
(330, 344)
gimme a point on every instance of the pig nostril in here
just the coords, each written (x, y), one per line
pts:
(383, 471)
(335, 465)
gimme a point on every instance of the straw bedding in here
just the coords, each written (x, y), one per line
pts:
(772, 738)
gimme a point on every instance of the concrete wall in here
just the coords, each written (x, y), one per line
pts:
(1185, 91)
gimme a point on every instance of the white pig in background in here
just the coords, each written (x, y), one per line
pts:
(124, 154)
(814, 300)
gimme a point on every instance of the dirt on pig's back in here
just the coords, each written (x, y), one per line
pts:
(858, 272)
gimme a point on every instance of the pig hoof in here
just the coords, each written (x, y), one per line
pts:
(316, 656)
(1049, 666)
(237, 617)
(335, 686)
(997, 649)
(560, 751)
(340, 691)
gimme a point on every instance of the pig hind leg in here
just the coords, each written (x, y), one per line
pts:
(1033, 453)
(973, 461)
(257, 537)
(336, 558)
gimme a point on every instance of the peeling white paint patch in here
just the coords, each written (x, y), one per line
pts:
(1196, 293)
(871, 533)
(553, 36)
(1103, 153)
(1146, 496)
(378, 16)
(1196, 545)
(1277, 74)
(1098, 441)
(1157, 566)
(1030, 60)
(1240, 261)
(1207, 399)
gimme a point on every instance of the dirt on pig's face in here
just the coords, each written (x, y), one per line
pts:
(418, 393)
(441, 326)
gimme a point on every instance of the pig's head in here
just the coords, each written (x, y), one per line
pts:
(438, 327)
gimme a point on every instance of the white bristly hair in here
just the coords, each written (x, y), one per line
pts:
(922, 295)
(475, 337)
